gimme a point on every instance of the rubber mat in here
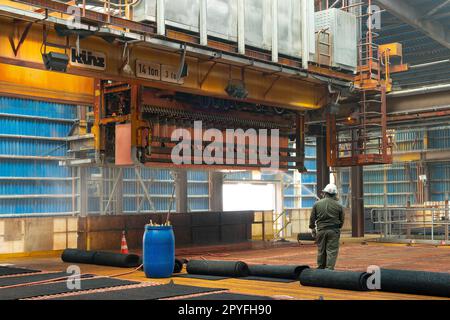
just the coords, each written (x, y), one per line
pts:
(255, 278)
(178, 267)
(59, 287)
(416, 282)
(218, 268)
(8, 271)
(10, 281)
(229, 296)
(305, 237)
(276, 271)
(101, 258)
(200, 276)
(346, 280)
(215, 278)
(143, 293)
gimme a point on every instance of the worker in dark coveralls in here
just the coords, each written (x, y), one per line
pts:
(327, 219)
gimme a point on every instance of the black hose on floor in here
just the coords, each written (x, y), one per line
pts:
(346, 280)
(415, 282)
(276, 271)
(234, 269)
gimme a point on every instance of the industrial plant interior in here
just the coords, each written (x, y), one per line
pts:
(224, 150)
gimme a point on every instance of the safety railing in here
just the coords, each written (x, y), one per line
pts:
(429, 224)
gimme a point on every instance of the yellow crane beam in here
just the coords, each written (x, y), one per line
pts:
(206, 76)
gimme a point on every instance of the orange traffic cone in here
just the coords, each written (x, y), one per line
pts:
(124, 246)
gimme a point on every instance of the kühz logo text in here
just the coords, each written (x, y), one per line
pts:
(88, 59)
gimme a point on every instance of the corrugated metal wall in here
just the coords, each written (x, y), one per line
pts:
(33, 141)
(396, 184)
(31, 144)
(309, 179)
(159, 183)
(440, 180)
(198, 191)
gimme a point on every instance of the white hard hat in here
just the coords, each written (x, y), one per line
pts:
(331, 189)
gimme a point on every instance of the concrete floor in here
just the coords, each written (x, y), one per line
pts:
(353, 256)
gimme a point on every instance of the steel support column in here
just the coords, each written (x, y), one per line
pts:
(323, 171)
(357, 185)
(181, 196)
(119, 191)
(82, 191)
(216, 191)
(427, 186)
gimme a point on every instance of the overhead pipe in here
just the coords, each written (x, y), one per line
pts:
(417, 91)
(429, 64)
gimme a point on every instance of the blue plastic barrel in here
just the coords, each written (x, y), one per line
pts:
(158, 251)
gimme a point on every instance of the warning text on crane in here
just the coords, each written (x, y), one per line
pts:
(156, 71)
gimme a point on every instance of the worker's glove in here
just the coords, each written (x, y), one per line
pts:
(313, 233)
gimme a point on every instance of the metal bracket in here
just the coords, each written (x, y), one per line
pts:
(113, 191)
(45, 43)
(182, 61)
(145, 189)
(205, 77)
(271, 86)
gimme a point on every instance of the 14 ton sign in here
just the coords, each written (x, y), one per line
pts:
(156, 71)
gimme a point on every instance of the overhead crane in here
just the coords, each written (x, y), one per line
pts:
(151, 78)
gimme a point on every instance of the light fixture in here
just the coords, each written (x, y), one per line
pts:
(333, 108)
(55, 61)
(236, 89)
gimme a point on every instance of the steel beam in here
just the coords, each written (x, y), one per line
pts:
(181, 196)
(414, 17)
(93, 16)
(216, 191)
(437, 8)
(357, 202)
(357, 188)
(275, 30)
(82, 190)
(323, 171)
